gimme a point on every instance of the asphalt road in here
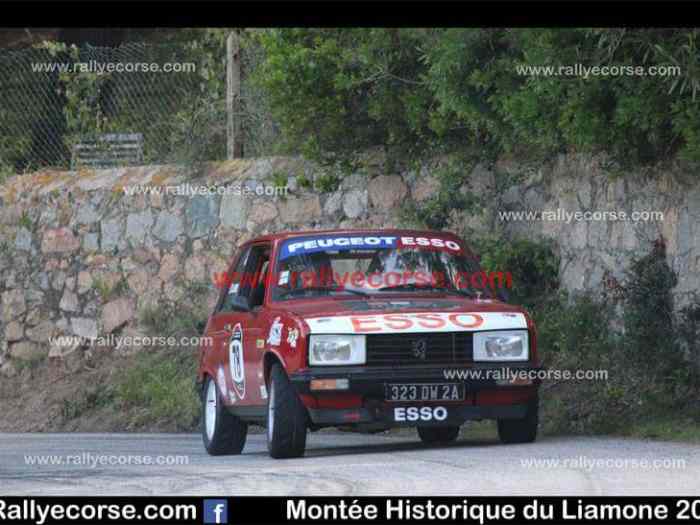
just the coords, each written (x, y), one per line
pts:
(345, 464)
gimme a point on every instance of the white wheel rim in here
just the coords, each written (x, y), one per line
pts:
(210, 410)
(271, 412)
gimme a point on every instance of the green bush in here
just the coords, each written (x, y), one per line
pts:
(451, 196)
(648, 307)
(422, 91)
(327, 183)
(88, 400)
(170, 319)
(534, 266)
(688, 331)
(651, 364)
(158, 388)
(336, 92)
(574, 333)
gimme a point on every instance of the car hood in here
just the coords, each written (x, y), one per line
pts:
(328, 307)
(410, 315)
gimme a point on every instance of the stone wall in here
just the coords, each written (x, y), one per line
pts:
(80, 256)
(590, 249)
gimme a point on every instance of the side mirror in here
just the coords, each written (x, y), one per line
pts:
(239, 303)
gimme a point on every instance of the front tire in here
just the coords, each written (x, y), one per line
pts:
(522, 430)
(286, 417)
(222, 432)
(438, 435)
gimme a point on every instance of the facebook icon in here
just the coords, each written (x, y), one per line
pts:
(215, 511)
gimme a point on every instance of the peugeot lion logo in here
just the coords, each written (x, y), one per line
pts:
(419, 348)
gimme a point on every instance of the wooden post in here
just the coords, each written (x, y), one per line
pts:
(234, 139)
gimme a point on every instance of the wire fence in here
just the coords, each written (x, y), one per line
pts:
(58, 101)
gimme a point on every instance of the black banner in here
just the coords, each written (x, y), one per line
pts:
(324, 510)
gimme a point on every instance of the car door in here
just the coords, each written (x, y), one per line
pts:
(253, 287)
(237, 330)
(226, 329)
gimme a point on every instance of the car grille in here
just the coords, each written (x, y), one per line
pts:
(406, 349)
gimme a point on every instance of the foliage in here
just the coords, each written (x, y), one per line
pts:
(304, 182)
(166, 319)
(688, 331)
(451, 195)
(30, 112)
(181, 114)
(420, 91)
(30, 364)
(159, 387)
(25, 221)
(574, 333)
(333, 91)
(92, 398)
(534, 266)
(169, 318)
(327, 183)
(108, 291)
(279, 179)
(648, 304)
(651, 362)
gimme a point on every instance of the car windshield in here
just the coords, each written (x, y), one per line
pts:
(367, 264)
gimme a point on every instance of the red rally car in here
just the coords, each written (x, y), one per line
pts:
(369, 329)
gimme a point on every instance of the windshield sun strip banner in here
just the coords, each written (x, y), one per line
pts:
(421, 322)
(306, 245)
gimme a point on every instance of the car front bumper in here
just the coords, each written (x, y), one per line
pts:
(364, 402)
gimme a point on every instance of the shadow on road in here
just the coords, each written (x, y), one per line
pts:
(383, 448)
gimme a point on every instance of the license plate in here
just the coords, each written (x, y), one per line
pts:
(424, 392)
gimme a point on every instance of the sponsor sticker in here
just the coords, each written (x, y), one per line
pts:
(416, 322)
(432, 243)
(402, 414)
(292, 337)
(236, 361)
(260, 343)
(274, 338)
(263, 392)
(221, 381)
(283, 278)
(305, 245)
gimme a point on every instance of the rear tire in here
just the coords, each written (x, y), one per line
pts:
(286, 417)
(222, 432)
(522, 430)
(438, 435)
